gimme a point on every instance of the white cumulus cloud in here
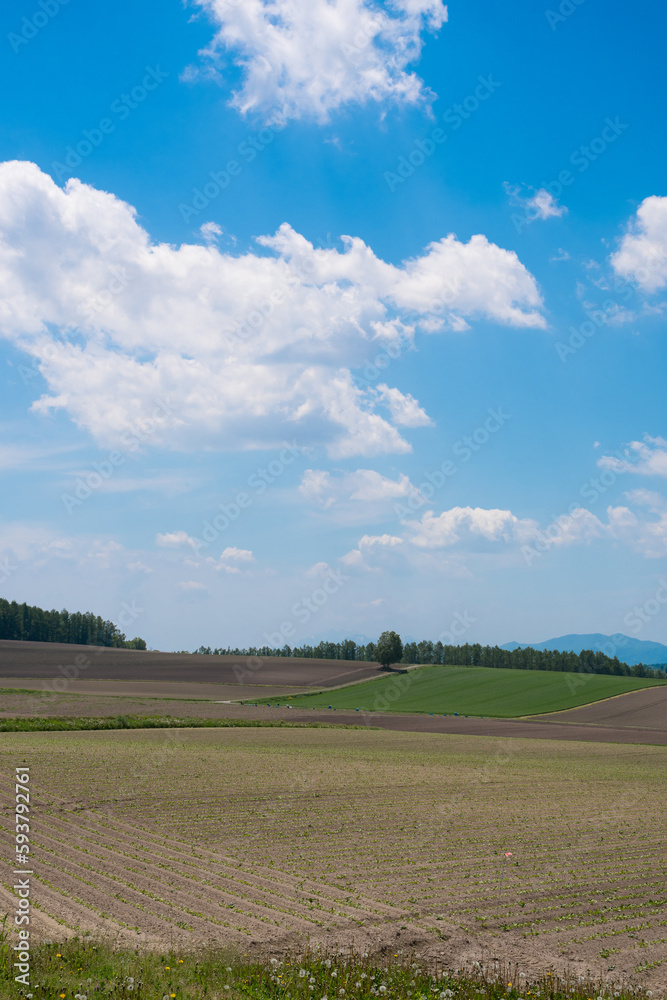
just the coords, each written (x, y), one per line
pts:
(646, 458)
(434, 531)
(405, 410)
(191, 346)
(232, 559)
(174, 540)
(307, 58)
(642, 254)
(371, 544)
(367, 485)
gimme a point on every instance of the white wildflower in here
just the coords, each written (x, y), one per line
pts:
(302, 973)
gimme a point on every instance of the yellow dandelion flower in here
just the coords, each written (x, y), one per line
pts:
(180, 961)
(167, 968)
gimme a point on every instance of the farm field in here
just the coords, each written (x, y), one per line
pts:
(139, 689)
(43, 660)
(647, 708)
(476, 691)
(275, 838)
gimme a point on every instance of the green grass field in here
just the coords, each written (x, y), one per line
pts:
(472, 691)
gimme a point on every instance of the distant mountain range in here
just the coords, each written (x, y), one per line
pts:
(630, 651)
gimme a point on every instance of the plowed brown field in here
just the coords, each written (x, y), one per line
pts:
(44, 660)
(376, 839)
(635, 710)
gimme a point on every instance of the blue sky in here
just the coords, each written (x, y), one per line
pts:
(166, 336)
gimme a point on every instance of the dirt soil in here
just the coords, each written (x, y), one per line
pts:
(636, 710)
(133, 690)
(44, 660)
(270, 839)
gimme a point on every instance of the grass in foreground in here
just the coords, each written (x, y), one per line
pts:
(83, 969)
(472, 691)
(35, 724)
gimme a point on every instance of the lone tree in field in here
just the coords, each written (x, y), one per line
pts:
(389, 649)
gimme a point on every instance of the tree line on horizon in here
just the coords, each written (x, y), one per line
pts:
(466, 655)
(26, 623)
